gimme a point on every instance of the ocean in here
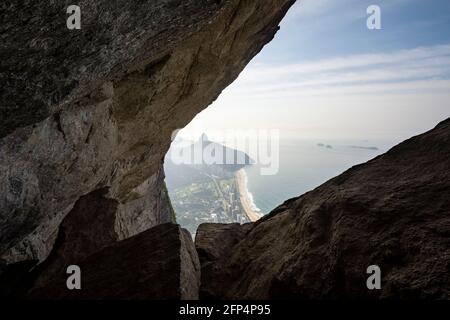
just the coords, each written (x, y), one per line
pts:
(305, 165)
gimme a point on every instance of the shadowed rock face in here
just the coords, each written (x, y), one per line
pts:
(158, 264)
(87, 229)
(95, 108)
(392, 212)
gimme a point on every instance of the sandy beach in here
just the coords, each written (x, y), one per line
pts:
(245, 200)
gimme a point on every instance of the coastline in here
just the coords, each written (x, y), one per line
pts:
(246, 201)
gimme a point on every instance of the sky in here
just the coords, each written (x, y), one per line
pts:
(327, 76)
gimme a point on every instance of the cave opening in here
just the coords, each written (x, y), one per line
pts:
(313, 103)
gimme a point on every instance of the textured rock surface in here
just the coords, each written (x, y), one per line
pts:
(158, 264)
(213, 242)
(87, 229)
(392, 211)
(95, 108)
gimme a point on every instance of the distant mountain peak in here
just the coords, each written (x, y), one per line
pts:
(204, 137)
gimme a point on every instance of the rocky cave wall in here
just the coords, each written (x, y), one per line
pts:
(94, 109)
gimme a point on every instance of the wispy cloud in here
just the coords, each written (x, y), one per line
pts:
(424, 69)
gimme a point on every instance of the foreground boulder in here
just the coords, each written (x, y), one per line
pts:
(158, 264)
(213, 243)
(392, 211)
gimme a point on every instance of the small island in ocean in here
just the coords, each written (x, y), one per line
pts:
(365, 148)
(328, 146)
(322, 145)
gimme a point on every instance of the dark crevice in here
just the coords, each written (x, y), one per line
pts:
(156, 65)
(57, 118)
(88, 137)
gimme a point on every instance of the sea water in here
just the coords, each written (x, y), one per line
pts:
(305, 165)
